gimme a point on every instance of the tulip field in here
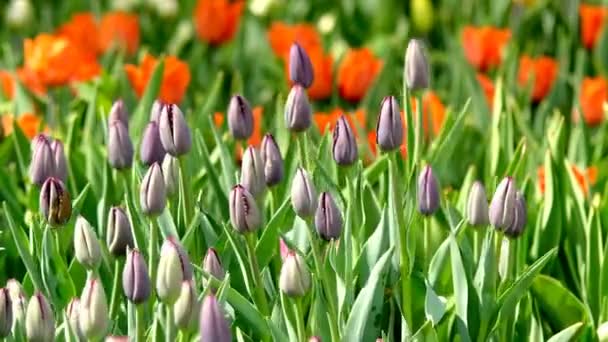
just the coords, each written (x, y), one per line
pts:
(304, 171)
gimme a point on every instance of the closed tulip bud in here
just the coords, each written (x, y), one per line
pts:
(240, 118)
(155, 111)
(294, 280)
(39, 320)
(303, 194)
(118, 112)
(19, 304)
(86, 245)
(213, 265)
(153, 193)
(344, 146)
(93, 318)
(55, 204)
(61, 164)
(174, 131)
(151, 150)
(186, 308)
(300, 67)
(135, 279)
(120, 147)
(416, 66)
(119, 234)
(428, 192)
(173, 268)
(298, 114)
(6, 313)
(42, 165)
(252, 172)
(520, 217)
(213, 324)
(502, 207)
(328, 219)
(171, 174)
(72, 312)
(477, 205)
(273, 162)
(389, 130)
(244, 213)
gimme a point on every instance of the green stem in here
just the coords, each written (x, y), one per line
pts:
(260, 295)
(114, 301)
(419, 130)
(302, 150)
(300, 328)
(428, 252)
(139, 322)
(186, 191)
(152, 250)
(169, 325)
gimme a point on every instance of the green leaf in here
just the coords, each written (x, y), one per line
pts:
(142, 112)
(559, 305)
(434, 306)
(568, 334)
(425, 334)
(22, 148)
(226, 158)
(167, 225)
(266, 247)
(461, 288)
(373, 249)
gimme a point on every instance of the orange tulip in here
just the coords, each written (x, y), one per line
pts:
(216, 21)
(218, 119)
(7, 84)
(29, 123)
(488, 88)
(322, 65)
(119, 29)
(82, 30)
(592, 23)
(433, 112)
(325, 120)
(31, 81)
(594, 93)
(281, 36)
(542, 70)
(584, 178)
(176, 76)
(357, 72)
(483, 45)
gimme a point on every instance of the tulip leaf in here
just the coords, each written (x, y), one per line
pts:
(560, 306)
(254, 319)
(226, 158)
(266, 247)
(434, 306)
(22, 149)
(141, 113)
(212, 175)
(461, 288)
(373, 249)
(568, 334)
(426, 333)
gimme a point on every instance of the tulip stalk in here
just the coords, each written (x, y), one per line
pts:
(186, 191)
(153, 250)
(260, 296)
(303, 150)
(115, 299)
(300, 326)
(169, 332)
(419, 133)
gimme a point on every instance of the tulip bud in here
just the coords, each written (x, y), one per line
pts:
(416, 66)
(119, 232)
(118, 112)
(240, 118)
(186, 308)
(152, 193)
(294, 280)
(171, 174)
(174, 131)
(273, 162)
(298, 114)
(120, 147)
(55, 204)
(328, 219)
(93, 317)
(244, 213)
(173, 268)
(213, 265)
(86, 245)
(42, 165)
(315, 339)
(151, 150)
(428, 192)
(39, 320)
(344, 146)
(477, 205)
(520, 217)
(73, 313)
(117, 339)
(389, 130)
(19, 304)
(135, 278)
(283, 249)
(502, 207)
(157, 107)
(300, 67)
(213, 324)
(303, 194)
(61, 164)
(252, 172)
(6, 313)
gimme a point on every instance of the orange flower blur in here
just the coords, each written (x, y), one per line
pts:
(584, 178)
(119, 29)
(433, 112)
(357, 73)
(592, 23)
(542, 71)
(483, 45)
(176, 76)
(325, 120)
(488, 88)
(216, 21)
(594, 93)
(82, 30)
(27, 122)
(7, 84)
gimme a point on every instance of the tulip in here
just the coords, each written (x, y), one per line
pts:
(328, 219)
(416, 66)
(93, 317)
(73, 313)
(55, 204)
(502, 207)
(389, 130)
(120, 147)
(39, 320)
(173, 268)
(118, 112)
(298, 114)
(117, 339)
(244, 213)
(174, 131)
(213, 265)
(152, 193)
(477, 205)
(119, 234)
(61, 164)
(303, 194)
(6, 313)
(135, 279)
(520, 217)
(315, 339)
(151, 150)
(42, 165)
(86, 245)
(283, 249)
(213, 324)
(252, 172)
(300, 68)
(240, 118)
(344, 147)
(294, 280)
(19, 304)
(171, 174)
(186, 308)
(428, 192)
(272, 160)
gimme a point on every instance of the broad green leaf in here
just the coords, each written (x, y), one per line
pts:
(568, 334)
(425, 334)
(434, 306)
(267, 244)
(167, 225)
(559, 305)
(373, 249)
